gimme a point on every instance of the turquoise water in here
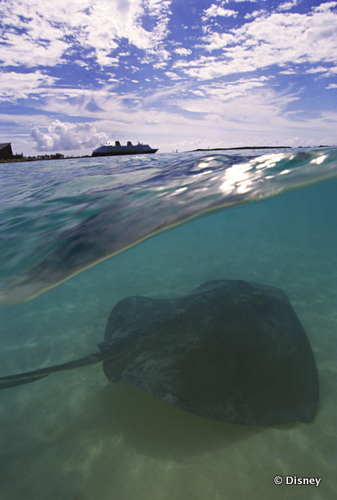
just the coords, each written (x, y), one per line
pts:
(75, 435)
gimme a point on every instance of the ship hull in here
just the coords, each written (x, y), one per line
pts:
(125, 152)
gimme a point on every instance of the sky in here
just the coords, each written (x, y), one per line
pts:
(175, 74)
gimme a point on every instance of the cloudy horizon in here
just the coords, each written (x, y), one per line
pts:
(177, 74)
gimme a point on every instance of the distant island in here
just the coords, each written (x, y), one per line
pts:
(257, 147)
(57, 156)
(241, 147)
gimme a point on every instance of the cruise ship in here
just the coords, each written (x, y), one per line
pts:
(129, 149)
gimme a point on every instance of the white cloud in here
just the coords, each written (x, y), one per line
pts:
(198, 93)
(233, 90)
(216, 10)
(287, 5)
(172, 76)
(241, 99)
(256, 13)
(318, 69)
(217, 41)
(288, 71)
(65, 137)
(238, 1)
(24, 50)
(275, 39)
(324, 71)
(332, 86)
(182, 51)
(14, 86)
(207, 68)
(36, 35)
(324, 7)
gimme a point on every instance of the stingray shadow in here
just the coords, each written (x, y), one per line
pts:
(156, 428)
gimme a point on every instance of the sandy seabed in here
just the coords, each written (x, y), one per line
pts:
(76, 436)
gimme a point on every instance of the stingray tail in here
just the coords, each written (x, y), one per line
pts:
(28, 377)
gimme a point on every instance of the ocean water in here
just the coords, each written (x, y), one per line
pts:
(262, 216)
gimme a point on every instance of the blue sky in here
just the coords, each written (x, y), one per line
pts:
(178, 74)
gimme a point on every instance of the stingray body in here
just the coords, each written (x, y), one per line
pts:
(231, 351)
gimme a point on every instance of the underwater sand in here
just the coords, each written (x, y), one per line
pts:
(76, 436)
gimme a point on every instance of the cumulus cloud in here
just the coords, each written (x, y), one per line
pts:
(67, 136)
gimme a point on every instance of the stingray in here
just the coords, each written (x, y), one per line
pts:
(231, 351)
